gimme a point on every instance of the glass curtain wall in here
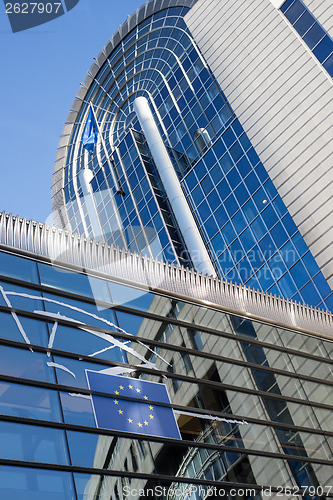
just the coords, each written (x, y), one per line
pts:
(253, 401)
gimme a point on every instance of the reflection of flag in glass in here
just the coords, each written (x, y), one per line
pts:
(132, 416)
(90, 133)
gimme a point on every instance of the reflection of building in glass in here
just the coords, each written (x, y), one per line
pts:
(249, 169)
(251, 394)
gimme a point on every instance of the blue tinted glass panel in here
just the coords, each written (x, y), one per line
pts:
(267, 246)
(77, 410)
(214, 200)
(322, 285)
(239, 221)
(74, 282)
(35, 331)
(247, 239)
(313, 36)
(211, 227)
(328, 65)
(304, 23)
(256, 258)
(265, 277)
(79, 311)
(83, 342)
(218, 244)
(25, 364)
(299, 274)
(229, 233)
(289, 254)
(277, 266)
(35, 484)
(286, 5)
(269, 216)
(250, 210)
(31, 402)
(236, 250)
(311, 264)
(15, 297)
(323, 49)
(245, 270)
(18, 267)
(221, 216)
(258, 227)
(231, 205)
(279, 235)
(131, 297)
(226, 163)
(33, 443)
(83, 448)
(310, 294)
(294, 11)
(287, 286)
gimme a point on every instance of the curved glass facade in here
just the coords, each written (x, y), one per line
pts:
(243, 221)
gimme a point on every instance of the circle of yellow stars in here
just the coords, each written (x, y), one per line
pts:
(130, 420)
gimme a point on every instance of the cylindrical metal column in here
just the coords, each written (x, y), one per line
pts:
(173, 189)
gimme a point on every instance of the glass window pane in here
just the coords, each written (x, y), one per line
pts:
(86, 342)
(131, 297)
(21, 297)
(81, 312)
(294, 11)
(81, 284)
(25, 364)
(29, 402)
(33, 443)
(18, 267)
(35, 484)
(323, 49)
(328, 65)
(299, 274)
(304, 23)
(312, 37)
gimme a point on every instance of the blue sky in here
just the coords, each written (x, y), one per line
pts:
(41, 72)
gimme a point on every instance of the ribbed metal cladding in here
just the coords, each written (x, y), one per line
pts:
(63, 247)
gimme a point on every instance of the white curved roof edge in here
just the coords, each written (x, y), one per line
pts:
(64, 247)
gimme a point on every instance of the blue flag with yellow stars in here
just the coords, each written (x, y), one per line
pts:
(135, 415)
(90, 133)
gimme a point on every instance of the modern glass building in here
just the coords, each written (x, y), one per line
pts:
(252, 396)
(174, 174)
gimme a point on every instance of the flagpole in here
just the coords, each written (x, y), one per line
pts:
(115, 181)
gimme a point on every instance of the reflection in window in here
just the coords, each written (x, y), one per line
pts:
(29, 402)
(69, 281)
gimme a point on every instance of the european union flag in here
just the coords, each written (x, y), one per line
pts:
(90, 133)
(137, 416)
